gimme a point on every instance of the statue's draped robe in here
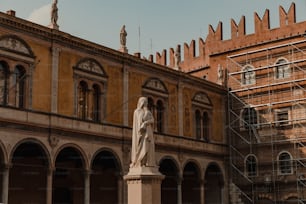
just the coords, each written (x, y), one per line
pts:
(143, 148)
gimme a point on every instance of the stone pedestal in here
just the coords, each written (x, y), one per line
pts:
(144, 185)
(123, 49)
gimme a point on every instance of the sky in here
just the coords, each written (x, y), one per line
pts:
(151, 25)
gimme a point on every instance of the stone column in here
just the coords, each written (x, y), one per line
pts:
(87, 187)
(202, 191)
(5, 183)
(49, 186)
(120, 190)
(179, 190)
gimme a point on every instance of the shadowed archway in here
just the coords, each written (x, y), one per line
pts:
(105, 179)
(191, 189)
(214, 184)
(68, 178)
(28, 175)
(169, 185)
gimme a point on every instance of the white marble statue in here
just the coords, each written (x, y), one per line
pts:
(54, 15)
(143, 147)
(123, 35)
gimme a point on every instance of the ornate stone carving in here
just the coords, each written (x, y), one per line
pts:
(156, 84)
(53, 140)
(202, 98)
(91, 66)
(14, 44)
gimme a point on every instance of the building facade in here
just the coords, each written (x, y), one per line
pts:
(230, 122)
(66, 115)
(265, 74)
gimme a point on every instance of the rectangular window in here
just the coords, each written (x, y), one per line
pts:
(282, 117)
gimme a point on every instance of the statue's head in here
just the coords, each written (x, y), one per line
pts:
(142, 102)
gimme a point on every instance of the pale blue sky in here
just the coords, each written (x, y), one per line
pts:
(163, 23)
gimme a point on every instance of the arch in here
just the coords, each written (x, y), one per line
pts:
(31, 140)
(282, 68)
(168, 167)
(284, 159)
(251, 165)
(249, 118)
(29, 171)
(191, 183)
(15, 44)
(155, 84)
(118, 164)
(69, 178)
(85, 163)
(91, 65)
(172, 160)
(213, 184)
(106, 176)
(248, 76)
(196, 164)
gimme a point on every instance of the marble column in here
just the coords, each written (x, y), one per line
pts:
(49, 186)
(5, 184)
(87, 187)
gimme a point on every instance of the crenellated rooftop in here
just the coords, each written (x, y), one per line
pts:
(215, 44)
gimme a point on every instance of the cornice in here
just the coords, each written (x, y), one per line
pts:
(73, 42)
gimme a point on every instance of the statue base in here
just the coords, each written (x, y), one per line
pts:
(123, 49)
(144, 185)
(54, 26)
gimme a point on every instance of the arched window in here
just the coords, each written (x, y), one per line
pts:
(96, 112)
(202, 108)
(82, 100)
(206, 123)
(248, 75)
(282, 69)
(3, 83)
(249, 118)
(251, 165)
(19, 79)
(156, 92)
(159, 115)
(89, 90)
(198, 124)
(284, 163)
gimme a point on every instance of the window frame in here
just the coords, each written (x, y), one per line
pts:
(246, 166)
(202, 104)
(243, 122)
(248, 70)
(156, 92)
(282, 63)
(280, 165)
(92, 72)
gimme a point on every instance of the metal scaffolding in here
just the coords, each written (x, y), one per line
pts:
(267, 124)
